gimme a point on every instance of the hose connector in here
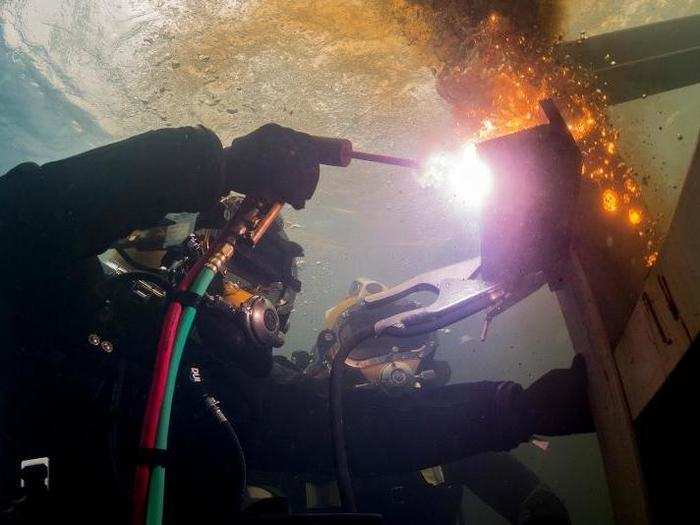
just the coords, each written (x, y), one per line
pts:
(220, 258)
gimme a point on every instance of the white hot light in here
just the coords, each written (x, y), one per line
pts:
(463, 175)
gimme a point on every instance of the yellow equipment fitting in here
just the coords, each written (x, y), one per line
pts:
(235, 295)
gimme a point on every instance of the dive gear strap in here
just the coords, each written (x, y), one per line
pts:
(153, 457)
(186, 298)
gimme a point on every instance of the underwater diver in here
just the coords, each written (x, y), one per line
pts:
(54, 220)
(81, 404)
(433, 495)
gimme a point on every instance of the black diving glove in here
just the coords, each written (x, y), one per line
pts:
(274, 163)
(557, 403)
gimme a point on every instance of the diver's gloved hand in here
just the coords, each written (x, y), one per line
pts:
(557, 403)
(273, 162)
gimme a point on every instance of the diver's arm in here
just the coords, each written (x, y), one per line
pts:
(417, 428)
(76, 207)
(423, 428)
(385, 432)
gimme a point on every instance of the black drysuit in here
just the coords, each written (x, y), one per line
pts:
(57, 396)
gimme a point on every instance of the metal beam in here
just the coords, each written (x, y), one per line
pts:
(644, 60)
(609, 405)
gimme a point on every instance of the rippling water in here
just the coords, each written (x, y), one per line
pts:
(37, 121)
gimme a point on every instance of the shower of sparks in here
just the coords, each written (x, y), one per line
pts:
(496, 88)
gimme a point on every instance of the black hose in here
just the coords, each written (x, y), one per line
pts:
(213, 407)
(342, 466)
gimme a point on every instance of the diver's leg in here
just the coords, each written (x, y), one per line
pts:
(508, 487)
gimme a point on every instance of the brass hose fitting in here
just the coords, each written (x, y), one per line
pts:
(219, 259)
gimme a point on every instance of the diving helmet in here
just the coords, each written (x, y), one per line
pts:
(246, 312)
(253, 301)
(386, 361)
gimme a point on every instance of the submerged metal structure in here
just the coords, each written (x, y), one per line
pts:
(639, 332)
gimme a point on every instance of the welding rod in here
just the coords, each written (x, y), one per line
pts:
(386, 159)
(339, 152)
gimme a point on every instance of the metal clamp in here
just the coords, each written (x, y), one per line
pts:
(460, 294)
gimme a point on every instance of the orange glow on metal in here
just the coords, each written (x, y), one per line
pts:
(610, 201)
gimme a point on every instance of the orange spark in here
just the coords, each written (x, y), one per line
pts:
(650, 260)
(610, 201)
(635, 216)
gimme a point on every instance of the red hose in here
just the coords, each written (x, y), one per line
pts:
(157, 393)
(155, 399)
(160, 376)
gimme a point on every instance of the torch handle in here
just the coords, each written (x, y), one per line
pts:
(333, 152)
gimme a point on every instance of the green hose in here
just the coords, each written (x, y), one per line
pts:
(156, 492)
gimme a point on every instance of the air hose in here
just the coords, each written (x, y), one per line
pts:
(173, 338)
(156, 493)
(349, 339)
(157, 392)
